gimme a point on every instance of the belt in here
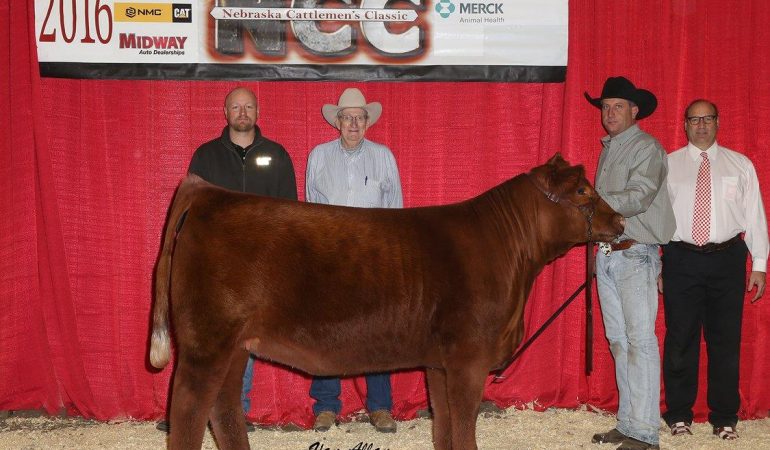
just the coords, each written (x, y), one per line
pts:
(607, 247)
(710, 247)
(622, 245)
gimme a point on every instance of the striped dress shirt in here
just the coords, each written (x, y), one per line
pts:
(366, 176)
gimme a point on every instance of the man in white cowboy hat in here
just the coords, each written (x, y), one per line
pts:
(353, 171)
(631, 178)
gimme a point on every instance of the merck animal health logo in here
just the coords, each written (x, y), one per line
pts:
(445, 8)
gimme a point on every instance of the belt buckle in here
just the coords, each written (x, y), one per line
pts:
(605, 247)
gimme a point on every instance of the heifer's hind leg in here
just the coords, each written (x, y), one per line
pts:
(227, 419)
(442, 430)
(195, 387)
(465, 386)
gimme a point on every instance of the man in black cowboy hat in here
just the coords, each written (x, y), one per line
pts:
(631, 177)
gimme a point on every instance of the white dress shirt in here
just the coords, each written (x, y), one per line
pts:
(736, 203)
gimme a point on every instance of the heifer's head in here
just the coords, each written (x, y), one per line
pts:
(584, 216)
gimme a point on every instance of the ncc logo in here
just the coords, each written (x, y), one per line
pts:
(444, 8)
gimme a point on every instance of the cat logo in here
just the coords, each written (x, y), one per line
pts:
(182, 12)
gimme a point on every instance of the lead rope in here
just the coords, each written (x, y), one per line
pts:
(590, 264)
(498, 373)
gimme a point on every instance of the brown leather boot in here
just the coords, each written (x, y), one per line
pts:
(383, 421)
(324, 420)
(611, 437)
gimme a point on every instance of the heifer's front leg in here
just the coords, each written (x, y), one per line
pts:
(442, 430)
(227, 419)
(465, 386)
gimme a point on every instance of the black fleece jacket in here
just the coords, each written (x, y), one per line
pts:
(262, 168)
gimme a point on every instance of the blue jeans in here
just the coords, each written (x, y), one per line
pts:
(248, 376)
(627, 284)
(326, 392)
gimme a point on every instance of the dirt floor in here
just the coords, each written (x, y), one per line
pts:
(510, 429)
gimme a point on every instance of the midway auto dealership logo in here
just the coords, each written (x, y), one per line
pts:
(153, 45)
(479, 12)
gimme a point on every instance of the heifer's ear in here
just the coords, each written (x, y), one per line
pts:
(580, 170)
(567, 178)
(558, 161)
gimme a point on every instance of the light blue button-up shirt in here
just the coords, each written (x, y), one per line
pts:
(631, 178)
(366, 176)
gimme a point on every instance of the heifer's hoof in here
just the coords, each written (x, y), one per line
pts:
(324, 421)
(250, 428)
(383, 421)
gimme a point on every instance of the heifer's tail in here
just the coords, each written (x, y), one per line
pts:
(160, 345)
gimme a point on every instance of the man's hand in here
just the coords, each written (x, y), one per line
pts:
(756, 279)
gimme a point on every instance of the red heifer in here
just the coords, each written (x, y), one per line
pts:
(332, 290)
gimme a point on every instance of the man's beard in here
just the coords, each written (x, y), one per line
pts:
(242, 126)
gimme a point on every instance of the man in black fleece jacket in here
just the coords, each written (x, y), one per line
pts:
(243, 160)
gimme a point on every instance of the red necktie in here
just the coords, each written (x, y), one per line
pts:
(701, 219)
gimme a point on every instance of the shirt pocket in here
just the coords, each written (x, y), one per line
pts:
(374, 193)
(730, 189)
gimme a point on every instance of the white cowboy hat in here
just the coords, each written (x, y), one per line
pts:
(352, 98)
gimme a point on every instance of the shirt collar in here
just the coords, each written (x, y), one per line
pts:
(694, 152)
(622, 137)
(350, 152)
(225, 138)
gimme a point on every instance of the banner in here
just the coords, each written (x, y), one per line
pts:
(425, 40)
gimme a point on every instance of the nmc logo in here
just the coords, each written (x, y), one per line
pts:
(133, 12)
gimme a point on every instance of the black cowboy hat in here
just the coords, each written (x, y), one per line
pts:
(620, 87)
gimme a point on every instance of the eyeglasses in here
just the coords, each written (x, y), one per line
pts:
(708, 120)
(349, 119)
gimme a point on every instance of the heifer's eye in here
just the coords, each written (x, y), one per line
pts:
(582, 191)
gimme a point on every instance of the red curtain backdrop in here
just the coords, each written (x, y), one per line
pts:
(88, 169)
